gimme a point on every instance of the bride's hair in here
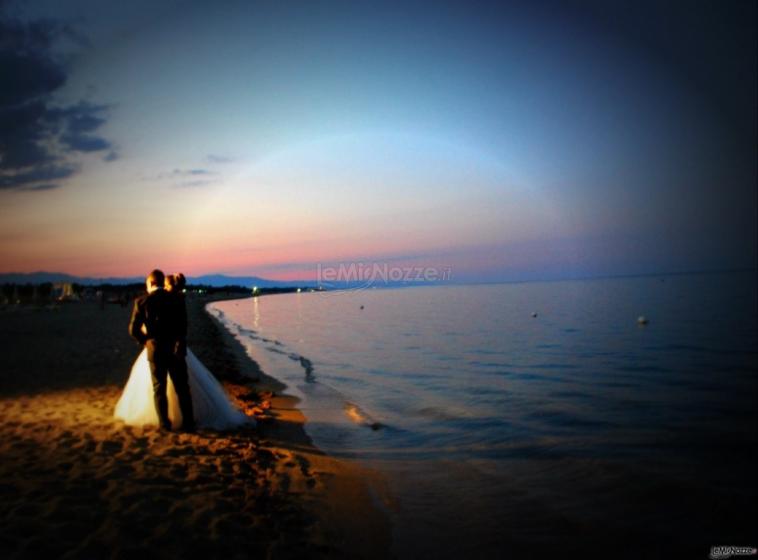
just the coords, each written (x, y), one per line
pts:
(176, 281)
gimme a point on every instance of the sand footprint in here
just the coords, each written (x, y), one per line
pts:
(110, 447)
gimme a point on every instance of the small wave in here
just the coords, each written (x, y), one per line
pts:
(273, 345)
(538, 377)
(359, 416)
(436, 413)
(565, 419)
(302, 360)
(481, 364)
(643, 369)
(552, 366)
(618, 384)
(305, 362)
(677, 348)
(308, 367)
(575, 395)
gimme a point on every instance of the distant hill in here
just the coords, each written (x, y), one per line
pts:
(215, 280)
(218, 280)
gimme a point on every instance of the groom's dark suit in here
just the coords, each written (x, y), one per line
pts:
(165, 320)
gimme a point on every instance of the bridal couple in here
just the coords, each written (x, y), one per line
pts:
(168, 386)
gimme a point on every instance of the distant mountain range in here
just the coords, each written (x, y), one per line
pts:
(215, 280)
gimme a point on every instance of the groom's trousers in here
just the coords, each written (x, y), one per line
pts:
(160, 360)
(178, 372)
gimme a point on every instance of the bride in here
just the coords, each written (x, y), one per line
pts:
(212, 408)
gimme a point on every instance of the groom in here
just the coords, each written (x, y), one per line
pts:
(159, 322)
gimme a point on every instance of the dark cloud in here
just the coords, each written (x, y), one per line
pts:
(185, 177)
(22, 130)
(193, 172)
(33, 175)
(38, 139)
(194, 178)
(85, 143)
(212, 158)
(83, 118)
(27, 77)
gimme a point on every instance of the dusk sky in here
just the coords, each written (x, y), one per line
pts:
(504, 140)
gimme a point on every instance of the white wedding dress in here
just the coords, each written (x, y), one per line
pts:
(211, 406)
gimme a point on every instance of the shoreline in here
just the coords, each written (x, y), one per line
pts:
(75, 482)
(347, 501)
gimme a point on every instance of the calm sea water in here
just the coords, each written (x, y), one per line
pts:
(503, 432)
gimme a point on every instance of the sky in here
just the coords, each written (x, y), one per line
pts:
(496, 140)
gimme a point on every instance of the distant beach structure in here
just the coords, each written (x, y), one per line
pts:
(64, 291)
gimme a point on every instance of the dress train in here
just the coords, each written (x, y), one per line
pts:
(211, 406)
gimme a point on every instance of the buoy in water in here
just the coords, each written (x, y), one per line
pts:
(642, 320)
(534, 313)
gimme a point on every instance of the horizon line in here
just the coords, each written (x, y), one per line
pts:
(399, 283)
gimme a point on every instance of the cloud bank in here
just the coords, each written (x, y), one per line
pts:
(39, 139)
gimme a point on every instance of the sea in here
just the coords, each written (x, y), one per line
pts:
(533, 419)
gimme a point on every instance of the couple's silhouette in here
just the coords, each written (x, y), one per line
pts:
(168, 385)
(159, 323)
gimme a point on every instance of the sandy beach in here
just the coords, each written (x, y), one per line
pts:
(76, 483)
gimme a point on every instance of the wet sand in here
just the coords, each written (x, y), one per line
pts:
(76, 483)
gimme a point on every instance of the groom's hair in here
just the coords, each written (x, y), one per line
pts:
(155, 278)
